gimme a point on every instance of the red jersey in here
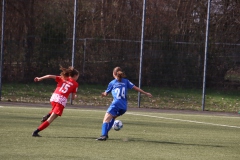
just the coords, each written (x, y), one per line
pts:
(64, 88)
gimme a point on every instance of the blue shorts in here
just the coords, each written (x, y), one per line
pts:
(115, 111)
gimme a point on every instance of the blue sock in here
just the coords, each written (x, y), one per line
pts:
(110, 124)
(105, 128)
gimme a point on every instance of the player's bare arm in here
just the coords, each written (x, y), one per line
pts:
(36, 79)
(141, 91)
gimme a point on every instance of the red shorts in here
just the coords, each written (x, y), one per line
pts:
(57, 108)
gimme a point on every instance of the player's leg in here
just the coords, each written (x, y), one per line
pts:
(56, 111)
(109, 115)
(44, 118)
(44, 125)
(119, 113)
(107, 118)
(111, 124)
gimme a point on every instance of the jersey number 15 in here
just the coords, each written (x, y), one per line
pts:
(64, 88)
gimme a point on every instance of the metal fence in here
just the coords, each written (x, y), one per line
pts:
(171, 58)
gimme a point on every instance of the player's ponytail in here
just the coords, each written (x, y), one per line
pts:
(73, 72)
(64, 73)
(117, 71)
(70, 71)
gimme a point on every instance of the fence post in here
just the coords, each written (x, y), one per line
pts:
(205, 55)
(84, 54)
(2, 46)
(74, 35)
(141, 51)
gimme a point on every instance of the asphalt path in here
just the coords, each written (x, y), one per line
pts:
(47, 105)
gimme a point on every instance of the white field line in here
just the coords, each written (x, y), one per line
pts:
(143, 115)
(199, 115)
(182, 120)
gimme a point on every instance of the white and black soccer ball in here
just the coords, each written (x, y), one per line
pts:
(117, 125)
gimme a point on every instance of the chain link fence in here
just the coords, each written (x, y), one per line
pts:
(38, 37)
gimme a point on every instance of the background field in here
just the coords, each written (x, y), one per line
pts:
(145, 135)
(163, 98)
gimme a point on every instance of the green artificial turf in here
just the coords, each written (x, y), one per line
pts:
(145, 135)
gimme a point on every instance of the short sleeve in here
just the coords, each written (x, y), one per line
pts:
(130, 85)
(109, 88)
(76, 88)
(58, 79)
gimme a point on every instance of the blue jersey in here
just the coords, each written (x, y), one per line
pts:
(119, 92)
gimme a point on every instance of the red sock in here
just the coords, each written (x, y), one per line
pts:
(43, 125)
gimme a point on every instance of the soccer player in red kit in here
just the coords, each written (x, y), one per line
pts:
(66, 84)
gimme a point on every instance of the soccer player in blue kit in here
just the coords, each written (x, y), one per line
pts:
(119, 88)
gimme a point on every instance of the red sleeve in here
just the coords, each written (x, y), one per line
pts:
(76, 88)
(58, 79)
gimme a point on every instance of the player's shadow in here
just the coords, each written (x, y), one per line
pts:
(165, 142)
(68, 137)
(138, 140)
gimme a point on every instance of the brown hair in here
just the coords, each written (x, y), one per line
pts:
(68, 72)
(117, 71)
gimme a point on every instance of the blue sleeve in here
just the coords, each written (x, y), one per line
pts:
(109, 88)
(130, 85)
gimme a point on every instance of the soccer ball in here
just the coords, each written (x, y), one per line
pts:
(117, 125)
